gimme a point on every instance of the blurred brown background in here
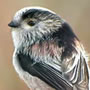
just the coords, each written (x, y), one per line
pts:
(76, 12)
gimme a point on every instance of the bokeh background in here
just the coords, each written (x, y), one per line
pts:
(76, 12)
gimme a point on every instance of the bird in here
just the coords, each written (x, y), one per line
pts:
(47, 53)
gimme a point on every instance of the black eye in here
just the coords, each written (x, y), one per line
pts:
(31, 23)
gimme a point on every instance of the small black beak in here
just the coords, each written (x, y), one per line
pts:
(13, 24)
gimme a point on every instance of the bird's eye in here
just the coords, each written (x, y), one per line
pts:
(31, 23)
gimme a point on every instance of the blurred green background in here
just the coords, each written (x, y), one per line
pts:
(76, 12)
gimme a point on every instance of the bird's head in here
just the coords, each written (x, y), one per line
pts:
(35, 19)
(33, 23)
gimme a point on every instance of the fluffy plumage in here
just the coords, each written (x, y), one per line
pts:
(48, 55)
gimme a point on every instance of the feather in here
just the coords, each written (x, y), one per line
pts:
(45, 72)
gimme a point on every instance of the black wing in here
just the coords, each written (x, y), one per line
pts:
(45, 72)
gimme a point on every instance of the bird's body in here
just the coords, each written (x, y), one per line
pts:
(48, 55)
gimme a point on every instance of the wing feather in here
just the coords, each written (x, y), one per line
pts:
(45, 72)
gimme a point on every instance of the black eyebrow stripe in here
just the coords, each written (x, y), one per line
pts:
(30, 13)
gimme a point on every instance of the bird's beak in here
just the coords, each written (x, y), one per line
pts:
(13, 24)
